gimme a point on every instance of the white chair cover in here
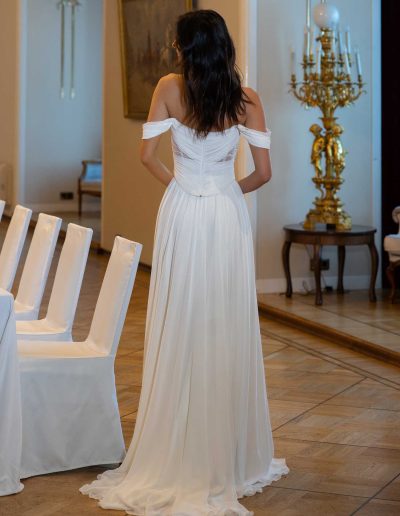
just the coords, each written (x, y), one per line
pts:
(36, 267)
(10, 401)
(57, 325)
(2, 205)
(12, 246)
(73, 383)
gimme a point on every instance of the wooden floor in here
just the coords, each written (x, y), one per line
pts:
(335, 416)
(349, 319)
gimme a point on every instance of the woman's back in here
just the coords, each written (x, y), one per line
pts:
(204, 166)
(168, 102)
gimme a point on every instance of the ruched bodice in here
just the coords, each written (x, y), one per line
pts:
(205, 166)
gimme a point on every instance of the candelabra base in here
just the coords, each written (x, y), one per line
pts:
(339, 219)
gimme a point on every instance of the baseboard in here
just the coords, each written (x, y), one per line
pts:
(273, 286)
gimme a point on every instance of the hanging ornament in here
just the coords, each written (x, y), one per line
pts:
(62, 4)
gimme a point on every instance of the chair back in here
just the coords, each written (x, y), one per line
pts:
(12, 246)
(92, 171)
(69, 274)
(2, 205)
(115, 293)
(38, 261)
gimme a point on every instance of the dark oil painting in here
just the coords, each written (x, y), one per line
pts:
(147, 33)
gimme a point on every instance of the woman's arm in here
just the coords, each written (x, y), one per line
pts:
(158, 111)
(255, 119)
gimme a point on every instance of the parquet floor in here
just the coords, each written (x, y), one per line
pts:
(335, 416)
(350, 318)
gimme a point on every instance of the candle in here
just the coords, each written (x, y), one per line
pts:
(308, 13)
(306, 50)
(311, 39)
(358, 62)
(340, 42)
(346, 62)
(337, 41)
(292, 61)
(334, 40)
(348, 40)
(318, 59)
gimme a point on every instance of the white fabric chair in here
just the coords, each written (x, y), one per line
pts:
(391, 244)
(36, 267)
(69, 403)
(57, 325)
(12, 246)
(10, 401)
(2, 205)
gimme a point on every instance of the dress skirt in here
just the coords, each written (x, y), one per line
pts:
(203, 434)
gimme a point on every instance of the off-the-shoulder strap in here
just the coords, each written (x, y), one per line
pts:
(151, 129)
(256, 138)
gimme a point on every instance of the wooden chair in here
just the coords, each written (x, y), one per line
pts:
(90, 181)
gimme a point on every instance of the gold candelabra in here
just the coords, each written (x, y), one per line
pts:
(327, 84)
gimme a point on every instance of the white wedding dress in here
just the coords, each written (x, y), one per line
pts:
(203, 435)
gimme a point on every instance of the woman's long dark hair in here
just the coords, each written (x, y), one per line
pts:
(212, 89)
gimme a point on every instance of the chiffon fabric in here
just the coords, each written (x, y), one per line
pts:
(203, 436)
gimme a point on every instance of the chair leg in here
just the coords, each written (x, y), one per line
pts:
(390, 276)
(79, 203)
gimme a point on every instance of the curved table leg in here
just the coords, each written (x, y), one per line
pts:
(317, 274)
(390, 276)
(341, 258)
(374, 270)
(286, 266)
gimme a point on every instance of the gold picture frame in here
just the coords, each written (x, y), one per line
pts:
(147, 30)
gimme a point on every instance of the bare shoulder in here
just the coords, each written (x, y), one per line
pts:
(255, 117)
(163, 97)
(170, 89)
(252, 94)
(170, 84)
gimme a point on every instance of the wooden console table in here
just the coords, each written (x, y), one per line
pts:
(357, 235)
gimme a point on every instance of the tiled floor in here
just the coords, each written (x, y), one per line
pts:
(335, 415)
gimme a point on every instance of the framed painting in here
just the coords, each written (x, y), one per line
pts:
(147, 30)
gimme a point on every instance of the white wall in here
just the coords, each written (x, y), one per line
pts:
(57, 134)
(288, 197)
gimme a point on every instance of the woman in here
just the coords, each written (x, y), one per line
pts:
(203, 436)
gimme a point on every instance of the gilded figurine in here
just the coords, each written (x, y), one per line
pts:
(318, 147)
(334, 150)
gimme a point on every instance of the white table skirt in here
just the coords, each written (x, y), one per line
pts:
(10, 401)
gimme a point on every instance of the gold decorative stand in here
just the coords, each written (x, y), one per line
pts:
(327, 84)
